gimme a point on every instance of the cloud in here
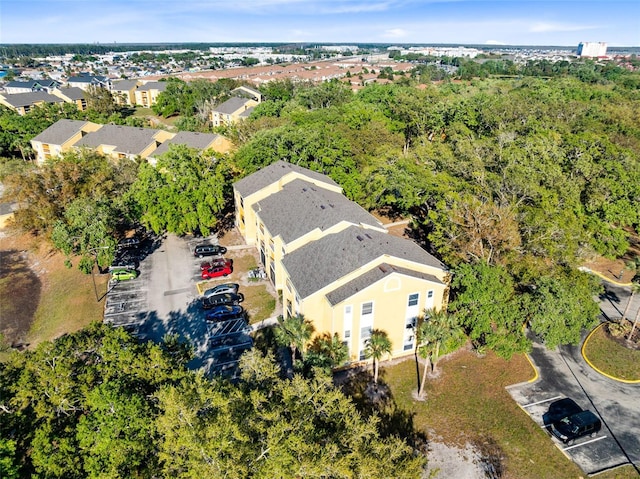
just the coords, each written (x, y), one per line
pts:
(542, 27)
(395, 33)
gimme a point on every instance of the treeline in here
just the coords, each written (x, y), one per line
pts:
(98, 403)
(513, 183)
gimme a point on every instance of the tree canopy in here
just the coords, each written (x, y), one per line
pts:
(98, 404)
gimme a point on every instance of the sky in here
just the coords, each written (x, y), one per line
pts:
(509, 22)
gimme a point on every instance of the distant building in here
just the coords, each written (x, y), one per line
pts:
(119, 142)
(14, 87)
(592, 49)
(147, 95)
(233, 110)
(22, 103)
(85, 80)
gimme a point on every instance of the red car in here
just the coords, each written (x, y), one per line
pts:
(217, 271)
(213, 263)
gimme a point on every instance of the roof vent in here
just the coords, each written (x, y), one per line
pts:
(321, 207)
(360, 238)
(367, 235)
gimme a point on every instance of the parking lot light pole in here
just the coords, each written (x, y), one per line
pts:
(95, 262)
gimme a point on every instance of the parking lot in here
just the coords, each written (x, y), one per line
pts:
(564, 374)
(164, 299)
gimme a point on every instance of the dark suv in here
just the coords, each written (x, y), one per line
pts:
(576, 425)
(208, 250)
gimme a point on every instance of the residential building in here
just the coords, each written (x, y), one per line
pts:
(85, 80)
(23, 102)
(334, 262)
(124, 92)
(14, 87)
(72, 95)
(233, 110)
(146, 95)
(118, 142)
(60, 137)
(200, 141)
(248, 92)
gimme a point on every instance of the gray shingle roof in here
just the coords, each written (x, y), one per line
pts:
(247, 112)
(189, 138)
(308, 207)
(371, 277)
(32, 84)
(25, 99)
(126, 139)
(272, 173)
(87, 78)
(231, 105)
(153, 85)
(60, 131)
(332, 257)
(73, 92)
(124, 85)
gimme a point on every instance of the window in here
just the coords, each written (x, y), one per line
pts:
(413, 299)
(289, 309)
(430, 294)
(367, 308)
(347, 333)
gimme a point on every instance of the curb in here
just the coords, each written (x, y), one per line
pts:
(584, 344)
(601, 276)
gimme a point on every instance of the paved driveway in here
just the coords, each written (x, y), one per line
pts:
(164, 300)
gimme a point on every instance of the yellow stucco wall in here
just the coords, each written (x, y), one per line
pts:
(390, 310)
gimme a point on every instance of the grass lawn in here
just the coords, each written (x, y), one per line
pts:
(468, 403)
(611, 357)
(68, 303)
(42, 298)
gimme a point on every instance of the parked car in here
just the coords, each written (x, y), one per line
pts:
(127, 243)
(124, 261)
(575, 426)
(203, 250)
(559, 410)
(220, 299)
(225, 312)
(222, 288)
(212, 263)
(223, 270)
(124, 274)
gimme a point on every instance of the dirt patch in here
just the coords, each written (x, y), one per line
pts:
(618, 269)
(23, 260)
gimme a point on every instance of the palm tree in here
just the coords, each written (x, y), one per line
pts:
(294, 332)
(436, 327)
(332, 348)
(635, 288)
(376, 347)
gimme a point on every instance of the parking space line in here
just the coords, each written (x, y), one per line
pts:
(584, 443)
(543, 401)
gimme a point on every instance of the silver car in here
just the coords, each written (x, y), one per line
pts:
(221, 289)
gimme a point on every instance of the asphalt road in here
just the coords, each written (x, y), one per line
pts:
(564, 373)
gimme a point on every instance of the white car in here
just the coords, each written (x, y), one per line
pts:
(221, 289)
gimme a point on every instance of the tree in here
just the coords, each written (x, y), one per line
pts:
(294, 332)
(101, 101)
(185, 192)
(377, 346)
(562, 305)
(434, 330)
(327, 352)
(635, 288)
(486, 303)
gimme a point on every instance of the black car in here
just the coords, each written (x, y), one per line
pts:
(225, 312)
(569, 422)
(129, 243)
(559, 410)
(208, 250)
(220, 299)
(125, 260)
